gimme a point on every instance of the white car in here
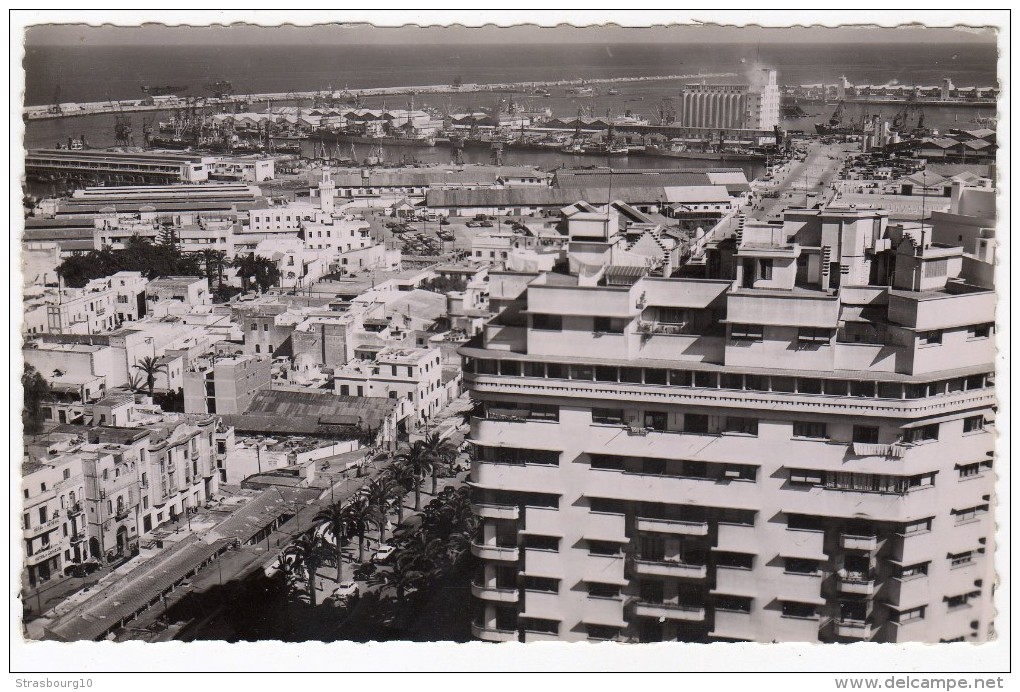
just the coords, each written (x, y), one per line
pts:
(383, 553)
(347, 589)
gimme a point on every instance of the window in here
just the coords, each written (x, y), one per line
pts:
(797, 565)
(922, 433)
(545, 584)
(696, 423)
(603, 548)
(908, 615)
(609, 325)
(552, 323)
(655, 420)
(911, 571)
(865, 434)
(807, 476)
(602, 632)
(969, 513)
(931, 338)
(979, 331)
(810, 430)
(765, 269)
(598, 590)
(607, 416)
(796, 609)
(915, 527)
(739, 604)
(265, 327)
(961, 601)
(747, 332)
(974, 469)
(961, 559)
(734, 560)
(973, 424)
(602, 505)
(804, 522)
(534, 542)
(27, 524)
(540, 625)
(743, 426)
(813, 336)
(608, 462)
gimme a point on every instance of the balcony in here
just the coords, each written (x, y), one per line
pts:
(494, 552)
(487, 511)
(604, 569)
(75, 509)
(852, 629)
(856, 584)
(666, 568)
(683, 528)
(544, 521)
(669, 611)
(43, 554)
(48, 525)
(77, 538)
(491, 634)
(736, 538)
(491, 593)
(851, 542)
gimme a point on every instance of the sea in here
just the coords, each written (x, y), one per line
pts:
(82, 73)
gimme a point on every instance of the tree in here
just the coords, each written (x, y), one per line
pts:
(403, 480)
(418, 462)
(150, 367)
(442, 454)
(36, 390)
(359, 515)
(308, 552)
(334, 520)
(262, 270)
(380, 493)
(213, 262)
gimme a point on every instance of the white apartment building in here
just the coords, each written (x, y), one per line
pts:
(412, 376)
(52, 523)
(799, 452)
(99, 306)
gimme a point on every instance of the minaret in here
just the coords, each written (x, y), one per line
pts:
(327, 191)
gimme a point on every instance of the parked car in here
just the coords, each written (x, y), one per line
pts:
(474, 224)
(347, 590)
(384, 553)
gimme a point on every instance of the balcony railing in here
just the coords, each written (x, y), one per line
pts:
(491, 634)
(77, 538)
(669, 611)
(852, 629)
(490, 511)
(493, 593)
(852, 542)
(856, 584)
(494, 552)
(669, 568)
(43, 554)
(676, 526)
(75, 509)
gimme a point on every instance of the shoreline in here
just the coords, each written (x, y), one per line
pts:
(42, 112)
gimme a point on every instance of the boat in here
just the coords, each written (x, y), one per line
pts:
(602, 149)
(580, 91)
(837, 125)
(613, 92)
(575, 149)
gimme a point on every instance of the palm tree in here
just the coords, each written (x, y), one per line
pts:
(150, 367)
(418, 462)
(359, 515)
(334, 520)
(380, 494)
(403, 480)
(442, 453)
(306, 551)
(213, 261)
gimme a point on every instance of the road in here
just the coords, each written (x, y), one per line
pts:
(795, 180)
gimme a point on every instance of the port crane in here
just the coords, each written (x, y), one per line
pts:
(55, 106)
(667, 111)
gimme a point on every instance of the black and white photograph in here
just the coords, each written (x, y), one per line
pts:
(394, 335)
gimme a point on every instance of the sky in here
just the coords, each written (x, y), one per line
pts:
(366, 34)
